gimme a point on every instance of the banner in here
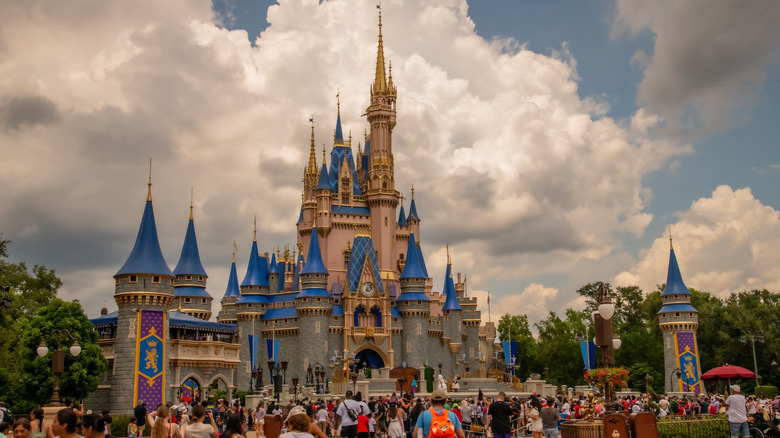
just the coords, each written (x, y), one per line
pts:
(273, 349)
(688, 361)
(190, 389)
(588, 354)
(252, 351)
(150, 358)
(510, 351)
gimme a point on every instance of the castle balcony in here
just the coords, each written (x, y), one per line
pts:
(203, 354)
(360, 333)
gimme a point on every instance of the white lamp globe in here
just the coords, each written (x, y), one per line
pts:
(42, 349)
(75, 349)
(616, 343)
(607, 310)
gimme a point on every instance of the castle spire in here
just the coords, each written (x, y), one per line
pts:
(380, 82)
(149, 192)
(339, 136)
(412, 268)
(451, 300)
(312, 168)
(189, 261)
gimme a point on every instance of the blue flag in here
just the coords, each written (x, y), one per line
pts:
(510, 351)
(588, 353)
(273, 349)
(253, 351)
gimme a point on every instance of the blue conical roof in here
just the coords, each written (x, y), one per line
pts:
(297, 272)
(252, 277)
(674, 281)
(412, 268)
(146, 257)
(402, 217)
(413, 212)
(339, 135)
(189, 261)
(232, 286)
(314, 264)
(422, 261)
(324, 183)
(273, 269)
(262, 269)
(451, 300)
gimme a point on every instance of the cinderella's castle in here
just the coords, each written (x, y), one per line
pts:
(357, 290)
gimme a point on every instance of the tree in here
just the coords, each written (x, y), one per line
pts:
(27, 292)
(55, 324)
(558, 346)
(518, 329)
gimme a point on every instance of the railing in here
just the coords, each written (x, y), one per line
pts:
(203, 353)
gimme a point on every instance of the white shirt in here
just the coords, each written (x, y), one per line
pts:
(322, 415)
(342, 412)
(736, 408)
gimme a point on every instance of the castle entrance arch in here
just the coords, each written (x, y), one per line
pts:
(191, 389)
(369, 357)
(220, 384)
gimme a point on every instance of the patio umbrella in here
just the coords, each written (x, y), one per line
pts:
(728, 372)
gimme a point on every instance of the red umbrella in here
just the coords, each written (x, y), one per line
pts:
(728, 372)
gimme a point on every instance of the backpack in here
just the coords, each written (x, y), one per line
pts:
(713, 410)
(441, 425)
(351, 412)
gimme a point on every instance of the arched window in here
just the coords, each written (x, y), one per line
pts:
(358, 311)
(378, 315)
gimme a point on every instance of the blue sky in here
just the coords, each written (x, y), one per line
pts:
(560, 139)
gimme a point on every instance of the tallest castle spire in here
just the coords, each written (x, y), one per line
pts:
(380, 81)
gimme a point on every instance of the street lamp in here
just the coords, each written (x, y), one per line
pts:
(58, 363)
(753, 337)
(354, 378)
(602, 318)
(295, 389)
(671, 382)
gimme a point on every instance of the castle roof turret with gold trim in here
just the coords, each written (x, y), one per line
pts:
(145, 278)
(190, 287)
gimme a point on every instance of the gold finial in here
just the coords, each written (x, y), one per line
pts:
(312, 152)
(235, 250)
(323, 153)
(192, 193)
(402, 199)
(449, 261)
(149, 193)
(412, 192)
(254, 236)
(380, 83)
(671, 246)
(365, 135)
(314, 225)
(338, 102)
(350, 138)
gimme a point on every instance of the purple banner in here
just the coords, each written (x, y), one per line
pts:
(150, 357)
(688, 361)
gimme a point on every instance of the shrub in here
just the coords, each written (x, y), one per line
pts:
(767, 391)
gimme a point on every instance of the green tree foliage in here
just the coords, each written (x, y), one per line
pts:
(518, 327)
(26, 290)
(559, 349)
(55, 324)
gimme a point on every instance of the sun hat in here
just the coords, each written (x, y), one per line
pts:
(296, 410)
(438, 395)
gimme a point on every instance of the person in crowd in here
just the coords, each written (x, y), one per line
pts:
(139, 412)
(737, 411)
(362, 425)
(132, 428)
(94, 426)
(5, 429)
(64, 424)
(22, 428)
(535, 418)
(424, 421)
(40, 428)
(198, 428)
(259, 423)
(163, 426)
(550, 417)
(395, 422)
(499, 418)
(234, 427)
(298, 423)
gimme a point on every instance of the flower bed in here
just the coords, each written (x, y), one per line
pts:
(616, 378)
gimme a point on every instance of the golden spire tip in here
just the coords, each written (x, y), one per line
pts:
(192, 193)
(149, 192)
(235, 249)
(254, 237)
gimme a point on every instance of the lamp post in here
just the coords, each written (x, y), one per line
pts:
(354, 378)
(462, 361)
(671, 382)
(58, 363)
(295, 389)
(275, 370)
(753, 337)
(602, 319)
(439, 365)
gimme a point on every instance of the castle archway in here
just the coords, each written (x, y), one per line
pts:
(371, 357)
(220, 383)
(192, 387)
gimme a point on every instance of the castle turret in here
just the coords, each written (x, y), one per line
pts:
(143, 284)
(380, 195)
(227, 314)
(314, 305)
(413, 220)
(273, 275)
(414, 306)
(679, 321)
(190, 292)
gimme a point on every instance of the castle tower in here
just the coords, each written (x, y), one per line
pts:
(250, 308)
(451, 330)
(415, 308)
(470, 321)
(227, 314)
(190, 292)
(380, 195)
(314, 305)
(273, 276)
(144, 289)
(679, 321)
(413, 220)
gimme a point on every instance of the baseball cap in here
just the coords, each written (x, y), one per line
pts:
(296, 410)
(735, 388)
(438, 395)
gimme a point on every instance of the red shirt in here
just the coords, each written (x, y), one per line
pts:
(362, 425)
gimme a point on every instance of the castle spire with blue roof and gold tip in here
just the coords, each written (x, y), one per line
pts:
(413, 305)
(679, 321)
(190, 290)
(227, 314)
(452, 311)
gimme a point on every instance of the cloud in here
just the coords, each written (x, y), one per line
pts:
(510, 166)
(725, 243)
(709, 59)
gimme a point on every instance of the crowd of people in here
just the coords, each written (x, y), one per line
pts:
(391, 416)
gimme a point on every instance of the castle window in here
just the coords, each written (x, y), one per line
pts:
(200, 278)
(188, 277)
(171, 281)
(677, 314)
(285, 320)
(203, 301)
(385, 220)
(187, 301)
(156, 279)
(319, 300)
(691, 314)
(133, 279)
(304, 300)
(249, 306)
(676, 297)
